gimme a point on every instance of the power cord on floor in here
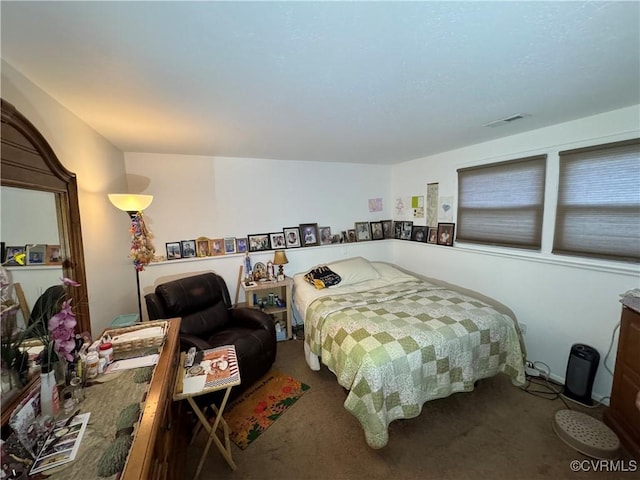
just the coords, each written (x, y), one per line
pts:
(541, 378)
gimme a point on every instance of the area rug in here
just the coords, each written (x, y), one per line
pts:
(257, 409)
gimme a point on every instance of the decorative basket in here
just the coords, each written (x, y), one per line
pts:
(133, 344)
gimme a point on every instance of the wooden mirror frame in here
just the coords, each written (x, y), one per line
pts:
(28, 162)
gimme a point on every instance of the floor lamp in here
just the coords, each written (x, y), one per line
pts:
(141, 249)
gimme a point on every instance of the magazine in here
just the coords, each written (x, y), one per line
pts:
(62, 444)
(217, 369)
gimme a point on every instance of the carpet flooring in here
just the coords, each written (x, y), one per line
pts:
(495, 432)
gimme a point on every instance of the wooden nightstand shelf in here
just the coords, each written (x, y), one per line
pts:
(261, 290)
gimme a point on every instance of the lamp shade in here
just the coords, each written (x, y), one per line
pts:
(280, 258)
(129, 202)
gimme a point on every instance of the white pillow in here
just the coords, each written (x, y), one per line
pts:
(354, 270)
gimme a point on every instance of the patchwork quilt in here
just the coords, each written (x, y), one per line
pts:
(396, 347)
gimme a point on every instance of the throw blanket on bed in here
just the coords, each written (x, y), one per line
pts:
(396, 347)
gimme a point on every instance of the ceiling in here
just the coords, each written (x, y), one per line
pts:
(370, 82)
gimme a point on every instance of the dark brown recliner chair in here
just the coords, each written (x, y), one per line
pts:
(208, 321)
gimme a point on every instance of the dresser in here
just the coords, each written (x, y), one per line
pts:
(623, 415)
(160, 441)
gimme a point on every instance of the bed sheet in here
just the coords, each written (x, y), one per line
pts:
(401, 341)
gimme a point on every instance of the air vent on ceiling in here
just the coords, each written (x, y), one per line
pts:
(504, 121)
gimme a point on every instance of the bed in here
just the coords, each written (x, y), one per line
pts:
(396, 340)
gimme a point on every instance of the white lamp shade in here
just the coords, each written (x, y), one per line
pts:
(129, 202)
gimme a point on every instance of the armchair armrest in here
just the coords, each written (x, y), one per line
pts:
(188, 341)
(251, 318)
(155, 310)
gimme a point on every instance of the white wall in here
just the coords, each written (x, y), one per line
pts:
(99, 168)
(562, 300)
(219, 197)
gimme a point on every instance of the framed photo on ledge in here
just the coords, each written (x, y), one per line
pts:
(229, 245)
(407, 227)
(445, 233)
(15, 256)
(217, 247)
(292, 237)
(36, 254)
(241, 245)
(259, 242)
(432, 235)
(325, 235)
(277, 240)
(188, 248)
(309, 234)
(173, 251)
(387, 228)
(377, 233)
(203, 247)
(54, 255)
(363, 231)
(419, 233)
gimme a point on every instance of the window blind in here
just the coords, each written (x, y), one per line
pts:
(598, 213)
(502, 203)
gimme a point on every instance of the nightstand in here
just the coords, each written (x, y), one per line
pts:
(260, 291)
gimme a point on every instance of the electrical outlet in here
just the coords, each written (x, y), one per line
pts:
(523, 328)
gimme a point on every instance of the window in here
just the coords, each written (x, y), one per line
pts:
(598, 212)
(502, 203)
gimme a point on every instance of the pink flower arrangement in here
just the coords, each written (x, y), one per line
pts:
(61, 329)
(61, 326)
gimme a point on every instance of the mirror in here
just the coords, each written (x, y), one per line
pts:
(29, 164)
(30, 217)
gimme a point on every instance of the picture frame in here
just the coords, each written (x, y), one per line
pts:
(241, 245)
(217, 247)
(53, 255)
(3, 253)
(363, 231)
(376, 231)
(229, 245)
(277, 240)
(36, 254)
(309, 234)
(343, 237)
(174, 250)
(397, 230)
(203, 247)
(351, 235)
(446, 233)
(188, 248)
(432, 235)
(407, 227)
(292, 237)
(387, 228)
(259, 242)
(15, 256)
(325, 235)
(419, 233)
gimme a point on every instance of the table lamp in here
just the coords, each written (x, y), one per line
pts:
(280, 259)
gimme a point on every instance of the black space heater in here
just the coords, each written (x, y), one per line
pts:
(581, 371)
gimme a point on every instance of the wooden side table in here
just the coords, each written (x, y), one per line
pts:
(283, 289)
(192, 382)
